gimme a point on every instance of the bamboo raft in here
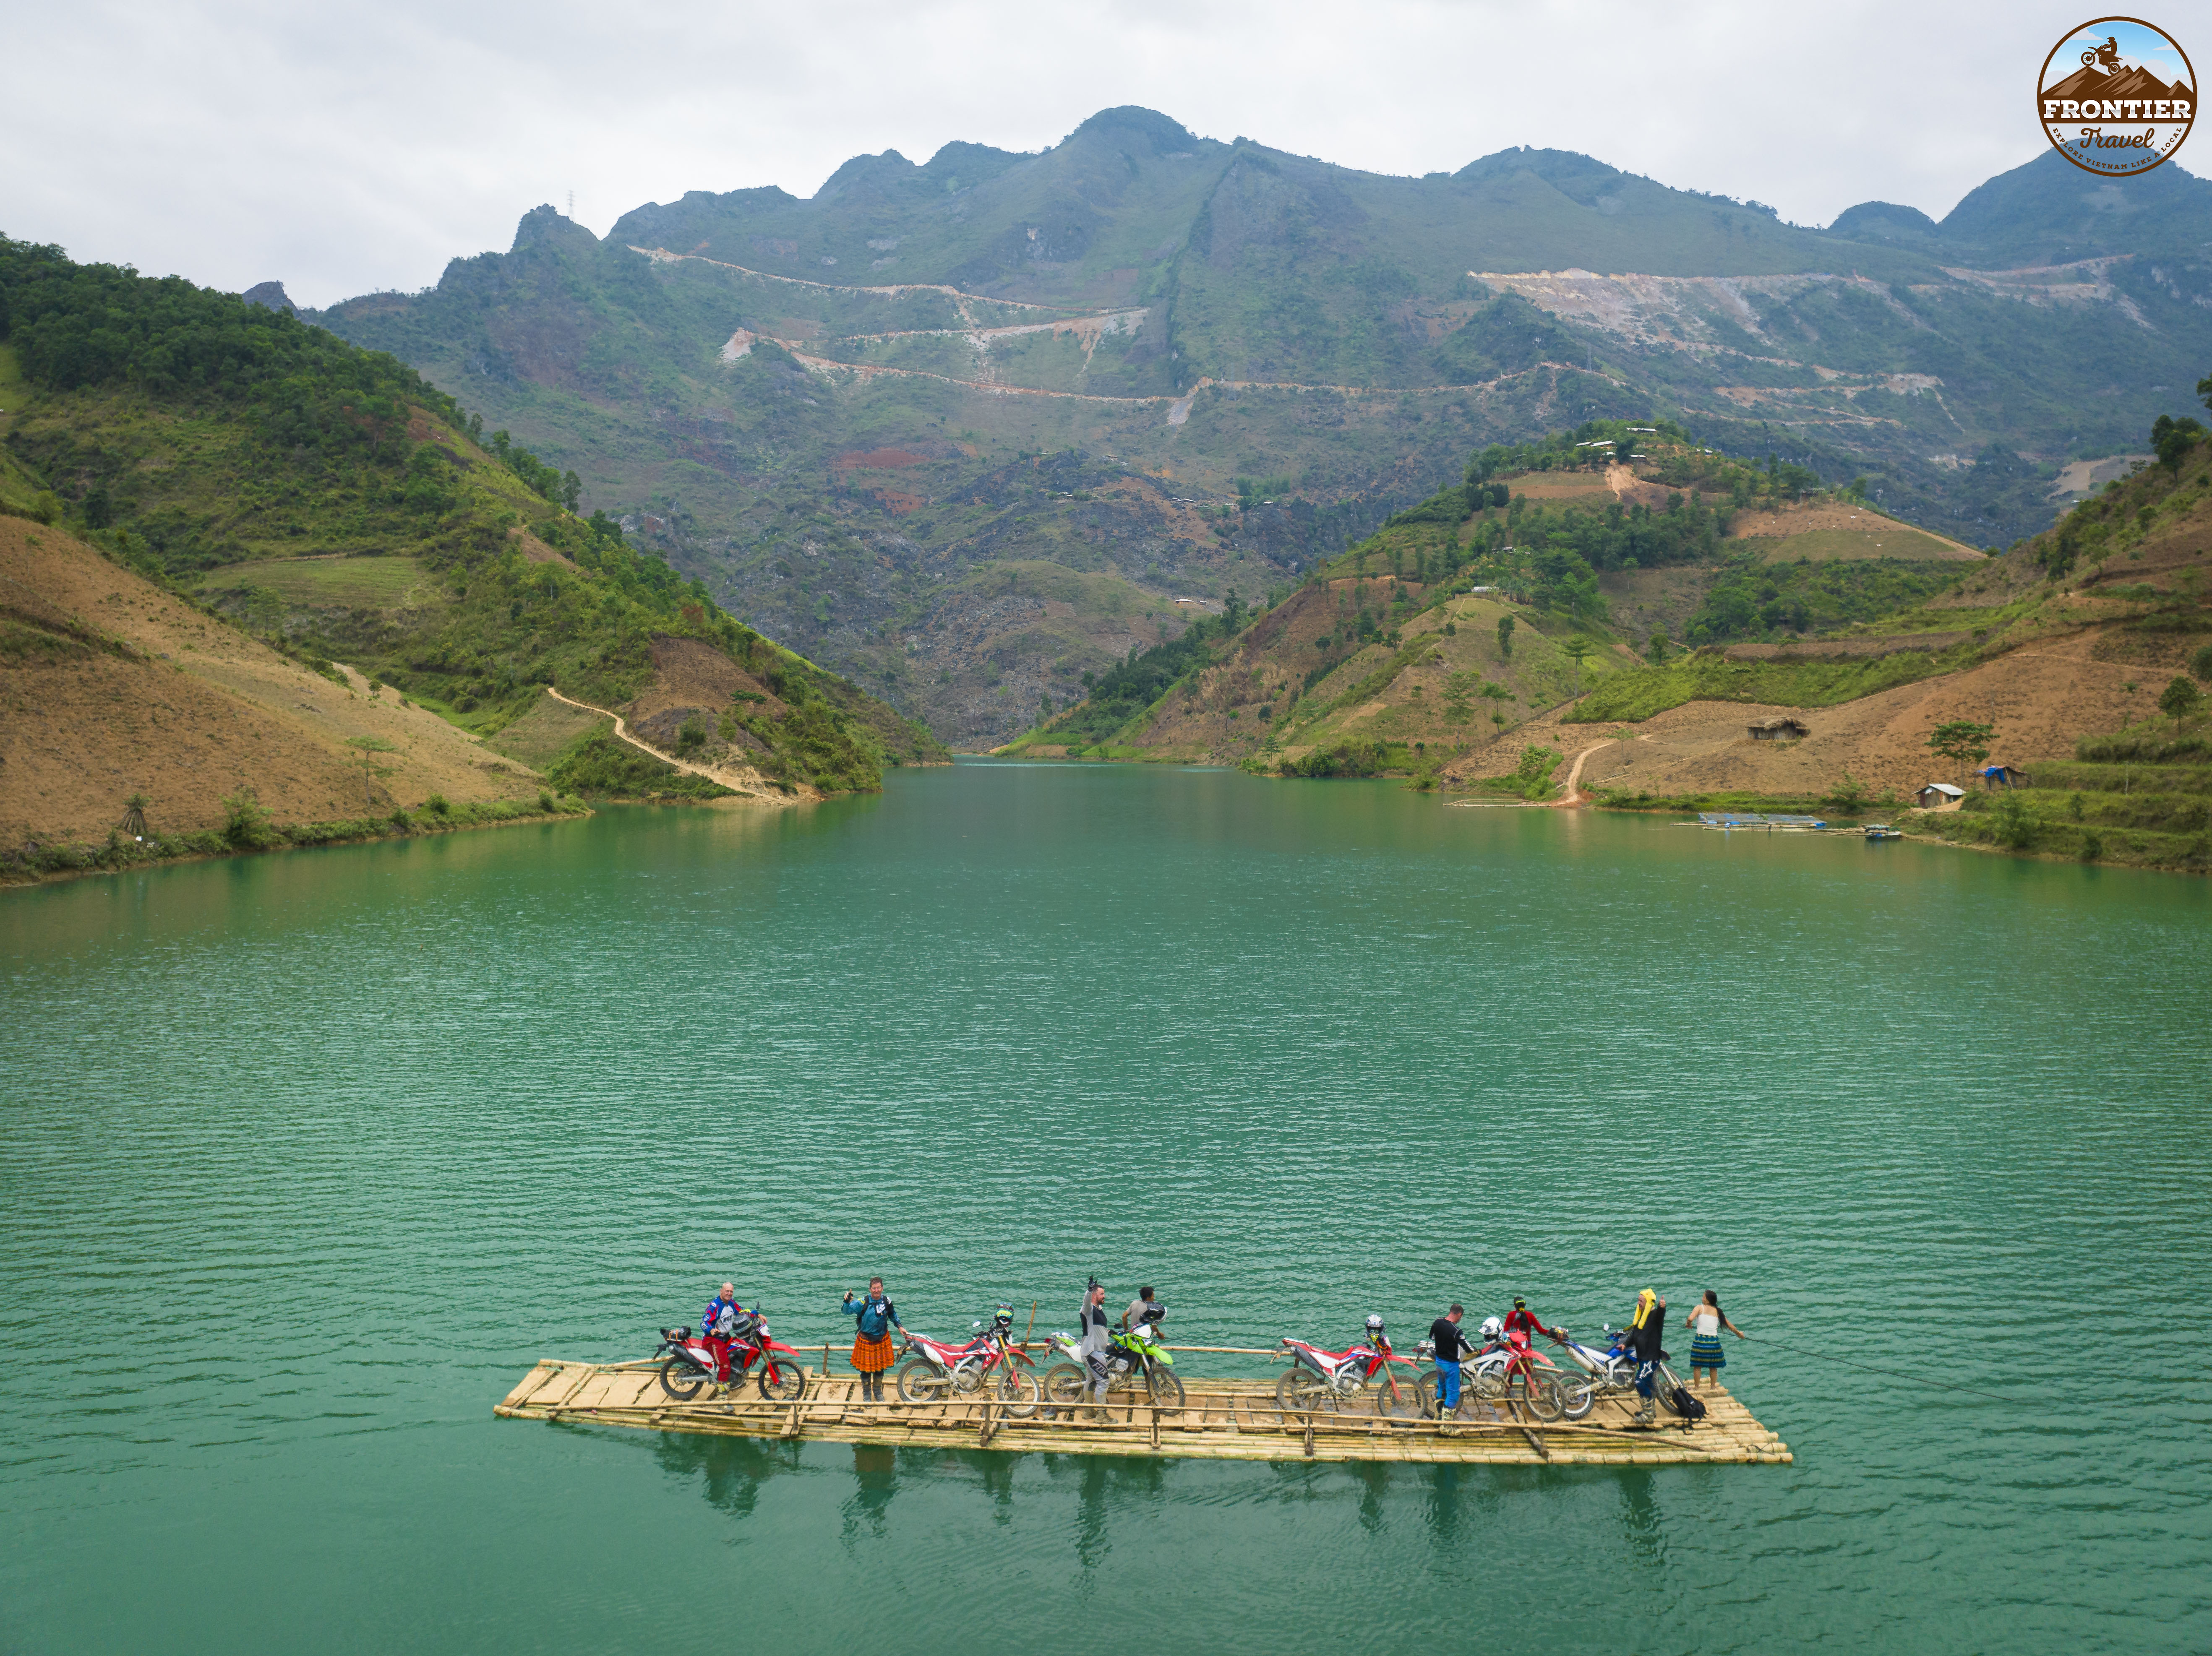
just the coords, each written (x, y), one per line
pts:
(1222, 1420)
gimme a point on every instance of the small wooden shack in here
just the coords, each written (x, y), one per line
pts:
(1939, 796)
(2003, 776)
(1780, 728)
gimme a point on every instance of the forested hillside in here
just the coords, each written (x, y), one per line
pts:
(327, 501)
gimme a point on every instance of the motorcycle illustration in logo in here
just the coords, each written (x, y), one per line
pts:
(2118, 96)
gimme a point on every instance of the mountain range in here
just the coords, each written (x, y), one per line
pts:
(969, 427)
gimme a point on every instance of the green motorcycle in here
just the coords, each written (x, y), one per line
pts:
(1134, 1358)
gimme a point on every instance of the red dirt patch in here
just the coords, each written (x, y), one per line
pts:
(878, 458)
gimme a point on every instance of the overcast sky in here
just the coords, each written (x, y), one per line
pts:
(343, 149)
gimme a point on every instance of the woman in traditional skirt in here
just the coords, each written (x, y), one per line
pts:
(872, 1347)
(1706, 1320)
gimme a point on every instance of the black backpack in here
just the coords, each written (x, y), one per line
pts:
(1687, 1404)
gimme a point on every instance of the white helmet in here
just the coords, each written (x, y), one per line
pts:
(1374, 1325)
(1492, 1328)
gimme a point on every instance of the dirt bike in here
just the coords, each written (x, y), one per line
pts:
(696, 1361)
(1136, 1358)
(1335, 1380)
(939, 1371)
(1489, 1375)
(1611, 1373)
(2104, 56)
(1605, 1374)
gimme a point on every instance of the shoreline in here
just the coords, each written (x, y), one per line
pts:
(18, 876)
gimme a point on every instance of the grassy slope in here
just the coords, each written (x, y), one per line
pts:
(1360, 669)
(112, 686)
(1360, 653)
(463, 585)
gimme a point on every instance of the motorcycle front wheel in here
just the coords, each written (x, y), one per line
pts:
(681, 1380)
(922, 1381)
(1065, 1383)
(1542, 1399)
(1018, 1389)
(1580, 1398)
(1166, 1387)
(789, 1384)
(1407, 1404)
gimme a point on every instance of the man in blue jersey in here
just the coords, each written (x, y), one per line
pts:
(720, 1326)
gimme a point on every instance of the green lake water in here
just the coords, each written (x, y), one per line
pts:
(304, 1159)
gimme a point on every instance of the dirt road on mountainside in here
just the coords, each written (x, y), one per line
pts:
(747, 781)
(1573, 795)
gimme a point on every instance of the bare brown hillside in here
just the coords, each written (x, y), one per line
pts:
(110, 686)
(2041, 699)
(2071, 645)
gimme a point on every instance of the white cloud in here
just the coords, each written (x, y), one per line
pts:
(343, 150)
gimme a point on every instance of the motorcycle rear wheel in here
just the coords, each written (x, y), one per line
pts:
(681, 1380)
(921, 1381)
(1065, 1383)
(1018, 1389)
(1166, 1387)
(1301, 1390)
(790, 1383)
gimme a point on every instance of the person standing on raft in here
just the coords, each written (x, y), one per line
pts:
(1644, 1331)
(1451, 1347)
(1705, 1321)
(872, 1345)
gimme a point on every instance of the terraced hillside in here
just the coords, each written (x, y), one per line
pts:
(821, 407)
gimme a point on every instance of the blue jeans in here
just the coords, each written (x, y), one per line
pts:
(1447, 1387)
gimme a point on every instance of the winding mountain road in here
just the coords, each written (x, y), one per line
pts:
(746, 781)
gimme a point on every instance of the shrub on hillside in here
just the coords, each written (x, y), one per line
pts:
(600, 767)
(246, 824)
(1345, 759)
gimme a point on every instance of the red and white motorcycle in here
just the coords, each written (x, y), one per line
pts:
(1331, 1379)
(990, 1363)
(697, 1360)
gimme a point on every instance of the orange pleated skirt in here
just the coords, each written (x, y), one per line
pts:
(872, 1356)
